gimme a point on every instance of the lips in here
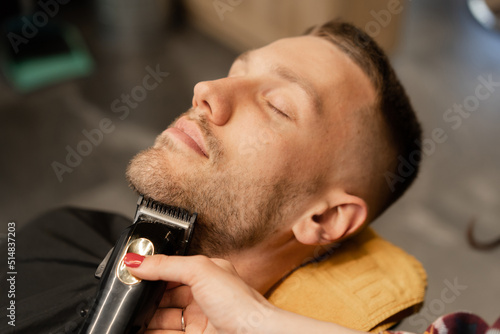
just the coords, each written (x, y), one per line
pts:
(189, 133)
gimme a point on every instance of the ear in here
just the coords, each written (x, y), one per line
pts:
(331, 218)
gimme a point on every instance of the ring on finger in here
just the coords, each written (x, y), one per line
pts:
(183, 323)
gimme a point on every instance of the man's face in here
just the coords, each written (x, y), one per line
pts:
(259, 145)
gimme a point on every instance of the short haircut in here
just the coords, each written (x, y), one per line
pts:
(404, 131)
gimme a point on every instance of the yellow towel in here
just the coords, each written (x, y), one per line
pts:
(366, 284)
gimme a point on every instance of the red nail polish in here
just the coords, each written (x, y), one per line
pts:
(133, 260)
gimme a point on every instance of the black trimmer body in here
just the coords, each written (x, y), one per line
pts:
(124, 304)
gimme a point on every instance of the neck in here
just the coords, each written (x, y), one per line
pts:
(264, 265)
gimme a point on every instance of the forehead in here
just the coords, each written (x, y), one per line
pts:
(336, 78)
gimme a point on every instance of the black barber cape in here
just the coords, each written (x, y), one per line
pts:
(57, 255)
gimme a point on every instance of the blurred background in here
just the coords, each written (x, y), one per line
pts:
(85, 85)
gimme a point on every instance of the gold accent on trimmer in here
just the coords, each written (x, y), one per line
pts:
(141, 246)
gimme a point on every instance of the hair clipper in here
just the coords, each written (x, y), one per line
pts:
(125, 304)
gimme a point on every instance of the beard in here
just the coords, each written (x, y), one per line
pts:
(236, 209)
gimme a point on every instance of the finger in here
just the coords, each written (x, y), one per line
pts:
(166, 318)
(184, 269)
(169, 321)
(179, 297)
(196, 320)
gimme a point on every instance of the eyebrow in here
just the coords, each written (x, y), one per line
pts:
(290, 76)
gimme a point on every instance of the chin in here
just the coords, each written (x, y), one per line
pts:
(149, 174)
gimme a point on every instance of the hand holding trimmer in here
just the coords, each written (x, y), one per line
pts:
(125, 304)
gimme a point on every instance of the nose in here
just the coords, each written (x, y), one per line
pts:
(215, 100)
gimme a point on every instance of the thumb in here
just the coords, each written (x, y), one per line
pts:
(157, 267)
(152, 268)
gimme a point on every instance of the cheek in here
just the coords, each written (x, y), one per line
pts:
(257, 143)
(268, 155)
(257, 150)
(267, 146)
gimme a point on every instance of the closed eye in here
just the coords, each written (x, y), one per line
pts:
(276, 110)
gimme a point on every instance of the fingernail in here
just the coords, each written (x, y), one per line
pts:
(133, 260)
